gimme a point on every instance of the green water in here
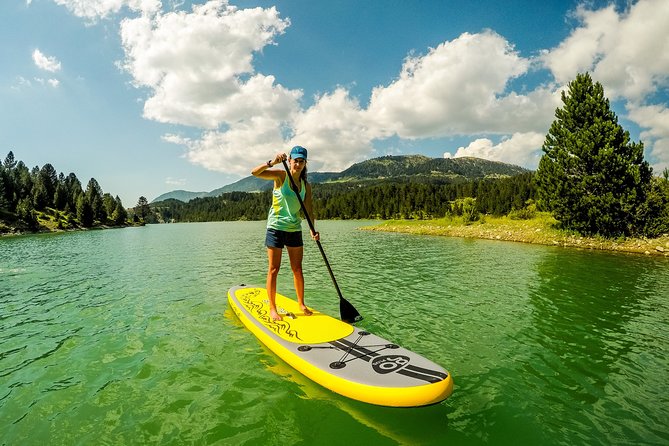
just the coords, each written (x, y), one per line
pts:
(124, 337)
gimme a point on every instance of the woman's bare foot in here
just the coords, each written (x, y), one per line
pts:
(306, 311)
(275, 315)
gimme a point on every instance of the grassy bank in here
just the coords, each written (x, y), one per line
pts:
(539, 230)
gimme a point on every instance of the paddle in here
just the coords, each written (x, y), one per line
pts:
(347, 311)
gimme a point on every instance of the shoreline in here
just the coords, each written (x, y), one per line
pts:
(539, 231)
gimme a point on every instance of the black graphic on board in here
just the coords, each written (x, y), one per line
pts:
(381, 365)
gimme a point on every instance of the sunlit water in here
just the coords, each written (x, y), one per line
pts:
(125, 337)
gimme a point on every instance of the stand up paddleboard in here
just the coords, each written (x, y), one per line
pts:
(339, 356)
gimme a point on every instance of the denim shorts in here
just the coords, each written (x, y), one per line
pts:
(278, 239)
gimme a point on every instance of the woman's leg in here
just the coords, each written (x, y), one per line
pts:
(295, 254)
(274, 257)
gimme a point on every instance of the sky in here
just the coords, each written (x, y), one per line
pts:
(150, 96)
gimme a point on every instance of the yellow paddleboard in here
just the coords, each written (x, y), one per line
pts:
(343, 358)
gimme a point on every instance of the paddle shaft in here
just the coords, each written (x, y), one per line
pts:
(311, 226)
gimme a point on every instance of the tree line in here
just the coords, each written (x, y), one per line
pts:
(378, 200)
(28, 194)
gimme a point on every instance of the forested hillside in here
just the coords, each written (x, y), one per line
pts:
(397, 198)
(417, 168)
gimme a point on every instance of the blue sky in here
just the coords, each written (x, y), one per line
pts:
(148, 96)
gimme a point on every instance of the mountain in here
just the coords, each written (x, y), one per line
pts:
(451, 169)
(386, 168)
(181, 195)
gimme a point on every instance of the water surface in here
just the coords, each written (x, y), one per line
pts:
(125, 337)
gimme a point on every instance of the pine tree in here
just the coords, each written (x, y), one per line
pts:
(84, 211)
(94, 198)
(119, 215)
(4, 204)
(591, 177)
(142, 208)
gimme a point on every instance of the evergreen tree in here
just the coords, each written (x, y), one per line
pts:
(653, 214)
(10, 181)
(84, 211)
(10, 162)
(109, 205)
(73, 186)
(119, 215)
(142, 209)
(591, 176)
(60, 197)
(94, 198)
(40, 196)
(4, 204)
(49, 179)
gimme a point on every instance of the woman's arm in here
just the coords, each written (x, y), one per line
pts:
(263, 170)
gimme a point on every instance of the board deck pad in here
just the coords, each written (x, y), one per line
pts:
(346, 359)
(295, 326)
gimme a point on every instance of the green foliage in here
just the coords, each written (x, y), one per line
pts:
(227, 207)
(29, 198)
(526, 213)
(142, 209)
(414, 168)
(466, 208)
(85, 213)
(119, 216)
(459, 169)
(591, 177)
(26, 212)
(653, 214)
(387, 199)
(4, 203)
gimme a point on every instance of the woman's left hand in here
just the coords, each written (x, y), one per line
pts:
(316, 235)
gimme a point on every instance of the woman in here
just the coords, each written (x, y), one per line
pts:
(284, 225)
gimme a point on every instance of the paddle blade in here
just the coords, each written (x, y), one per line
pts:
(348, 312)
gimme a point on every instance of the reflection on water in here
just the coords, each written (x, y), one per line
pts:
(124, 337)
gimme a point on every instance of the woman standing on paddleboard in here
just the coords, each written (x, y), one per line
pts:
(284, 225)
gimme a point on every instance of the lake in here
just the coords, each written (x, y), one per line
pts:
(124, 336)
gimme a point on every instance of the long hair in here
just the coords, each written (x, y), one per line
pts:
(303, 177)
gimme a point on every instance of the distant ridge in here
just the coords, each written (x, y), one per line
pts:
(181, 195)
(385, 168)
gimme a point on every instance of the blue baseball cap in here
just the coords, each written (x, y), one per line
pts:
(298, 152)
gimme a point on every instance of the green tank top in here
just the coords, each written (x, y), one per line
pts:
(284, 214)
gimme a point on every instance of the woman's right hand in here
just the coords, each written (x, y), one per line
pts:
(279, 158)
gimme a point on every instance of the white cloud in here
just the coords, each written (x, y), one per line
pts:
(523, 149)
(99, 9)
(197, 68)
(460, 88)
(21, 83)
(237, 149)
(454, 89)
(194, 62)
(50, 82)
(47, 63)
(338, 128)
(655, 119)
(624, 51)
(175, 181)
